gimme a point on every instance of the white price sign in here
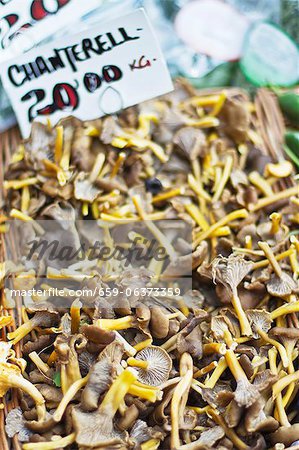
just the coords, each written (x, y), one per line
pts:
(88, 75)
(25, 23)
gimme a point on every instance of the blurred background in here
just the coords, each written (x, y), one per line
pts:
(248, 43)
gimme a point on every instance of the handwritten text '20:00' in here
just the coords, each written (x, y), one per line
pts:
(65, 96)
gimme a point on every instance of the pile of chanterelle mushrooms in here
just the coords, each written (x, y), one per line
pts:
(218, 369)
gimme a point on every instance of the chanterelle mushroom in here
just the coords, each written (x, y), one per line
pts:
(44, 315)
(101, 375)
(257, 420)
(153, 365)
(261, 324)
(246, 393)
(230, 272)
(191, 141)
(15, 424)
(281, 283)
(211, 376)
(11, 377)
(96, 429)
(222, 329)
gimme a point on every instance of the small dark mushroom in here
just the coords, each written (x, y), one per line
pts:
(190, 339)
(101, 375)
(257, 420)
(44, 315)
(97, 335)
(96, 429)
(285, 435)
(129, 418)
(159, 323)
(236, 119)
(230, 272)
(191, 141)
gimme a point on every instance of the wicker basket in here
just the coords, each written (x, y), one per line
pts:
(268, 121)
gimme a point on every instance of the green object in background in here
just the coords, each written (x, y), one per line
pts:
(292, 141)
(270, 56)
(289, 104)
(292, 146)
(220, 76)
(57, 379)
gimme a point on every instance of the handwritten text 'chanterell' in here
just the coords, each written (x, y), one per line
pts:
(141, 64)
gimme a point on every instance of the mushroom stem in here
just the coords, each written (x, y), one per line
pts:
(234, 366)
(66, 153)
(244, 322)
(68, 396)
(281, 413)
(199, 410)
(265, 262)
(22, 331)
(270, 256)
(214, 347)
(229, 432)
(199, 373)
(276, 221)
(51, 445)
(204, 122)
(224, 178)
(242, 340)
(180, 390)
(248, 242)
(288, 394)
(282, 383)
(40, 364)
(117, 164)
(153, 228)
(228, 339)
(169, 194)
(75, 316)
(289, 346)
(58, 144)
(122, 323)
(295, 241)
(61, 176)
(128, 347)
(285, 309)
(143, 344)
(238, 214)
(197, 188)
(280, 347)
(25, 200)
(221, 367)
(183, 307)
(263, 185)
(263, 202)
(197, 216)
(20, 184)
(152, 444)
(97, 167)
(17, 381)
(117, 391)
(293, 261)
(4, 321)
(137, 363)
(85, 209)
(141, 392)
(64, 381)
